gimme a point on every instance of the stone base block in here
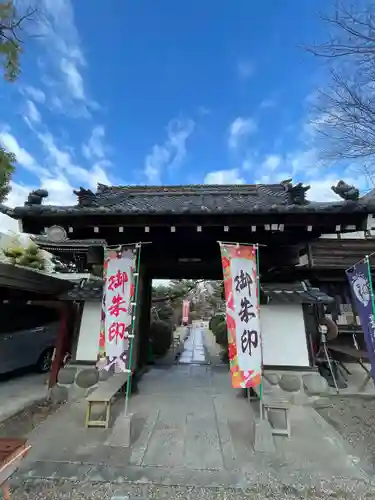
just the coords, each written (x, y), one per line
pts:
(263, 437)
(121, 432)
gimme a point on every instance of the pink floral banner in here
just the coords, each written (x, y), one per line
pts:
(242, 314)
(117, 309)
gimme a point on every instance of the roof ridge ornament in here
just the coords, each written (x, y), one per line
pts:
(346, 191)
(297, 193)
(85, 197)
(35, 197)
(102, 188)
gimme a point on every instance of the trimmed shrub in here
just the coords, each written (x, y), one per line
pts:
(161, 337)
(215, 321)
(221, 334)
(193, 315)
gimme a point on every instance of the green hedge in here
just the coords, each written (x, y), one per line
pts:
(215, 321)
(161, 337)
(221, 334)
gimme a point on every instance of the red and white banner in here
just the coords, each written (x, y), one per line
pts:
(185, 311)
(242, 314)
(117, 309)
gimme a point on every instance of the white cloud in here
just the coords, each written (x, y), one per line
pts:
(32, 112)
(24, 158)
(16, 197)
(62, 162)
(239, 131)
(34, 93)
(224, 177)
(171, 153)
(60, 30)
(245, 69)
(62, 69)
(73, 79)
(271, 162)
(95, 147)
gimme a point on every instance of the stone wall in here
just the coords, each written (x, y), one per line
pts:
(298, 387)
(76, 381)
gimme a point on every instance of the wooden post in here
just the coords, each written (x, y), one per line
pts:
(60, 344)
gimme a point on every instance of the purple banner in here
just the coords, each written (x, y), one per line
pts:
(361, 287)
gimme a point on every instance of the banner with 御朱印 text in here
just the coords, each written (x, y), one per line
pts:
(117, 309)
(239, 264)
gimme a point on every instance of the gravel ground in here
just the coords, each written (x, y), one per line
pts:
(22, 423)
(65, 490)
(354, 419)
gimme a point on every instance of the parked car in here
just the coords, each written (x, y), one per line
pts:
(27, 337)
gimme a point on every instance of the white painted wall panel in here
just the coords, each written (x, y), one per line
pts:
(284, 337)
(88, 341)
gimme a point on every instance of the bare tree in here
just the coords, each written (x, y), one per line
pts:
(344, 110)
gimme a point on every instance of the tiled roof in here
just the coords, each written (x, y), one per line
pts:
(43, 241)
(191, 199)
(295, 293)
(279, 293)
(85, 290)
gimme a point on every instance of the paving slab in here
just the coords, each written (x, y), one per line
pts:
(190, 429)
(17, 392)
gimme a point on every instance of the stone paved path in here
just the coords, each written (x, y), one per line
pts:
(190, 428)
(194, 349)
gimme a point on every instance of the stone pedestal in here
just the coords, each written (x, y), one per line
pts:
(263, 437)
(121, 432)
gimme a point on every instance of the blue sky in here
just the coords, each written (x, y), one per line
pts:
(165, 92)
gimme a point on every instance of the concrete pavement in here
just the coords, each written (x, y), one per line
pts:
(190, 429)
(17, 392)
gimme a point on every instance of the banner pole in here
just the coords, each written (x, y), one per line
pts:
(260, 335)
(361, 260)
(134, 310)
(242, 244)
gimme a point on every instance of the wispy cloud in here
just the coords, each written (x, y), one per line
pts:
(32, 112)
(271, 162)
(245, 69)
(62, 69)
(240, 129)
(34, 93)
(62, 161)
(95, 147)
(231, 176)
(171, 153)
(267, 103)
(24, 158)
(74, 79)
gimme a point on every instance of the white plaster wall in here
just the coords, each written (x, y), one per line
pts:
(283, 334)
(88, 340)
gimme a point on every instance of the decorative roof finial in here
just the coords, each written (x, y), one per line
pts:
(345, 191)
(36, 197)
(85, 197)
(297, 193)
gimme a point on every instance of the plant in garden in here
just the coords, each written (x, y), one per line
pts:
(215, 321)
(161, 337)
(31, 256)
